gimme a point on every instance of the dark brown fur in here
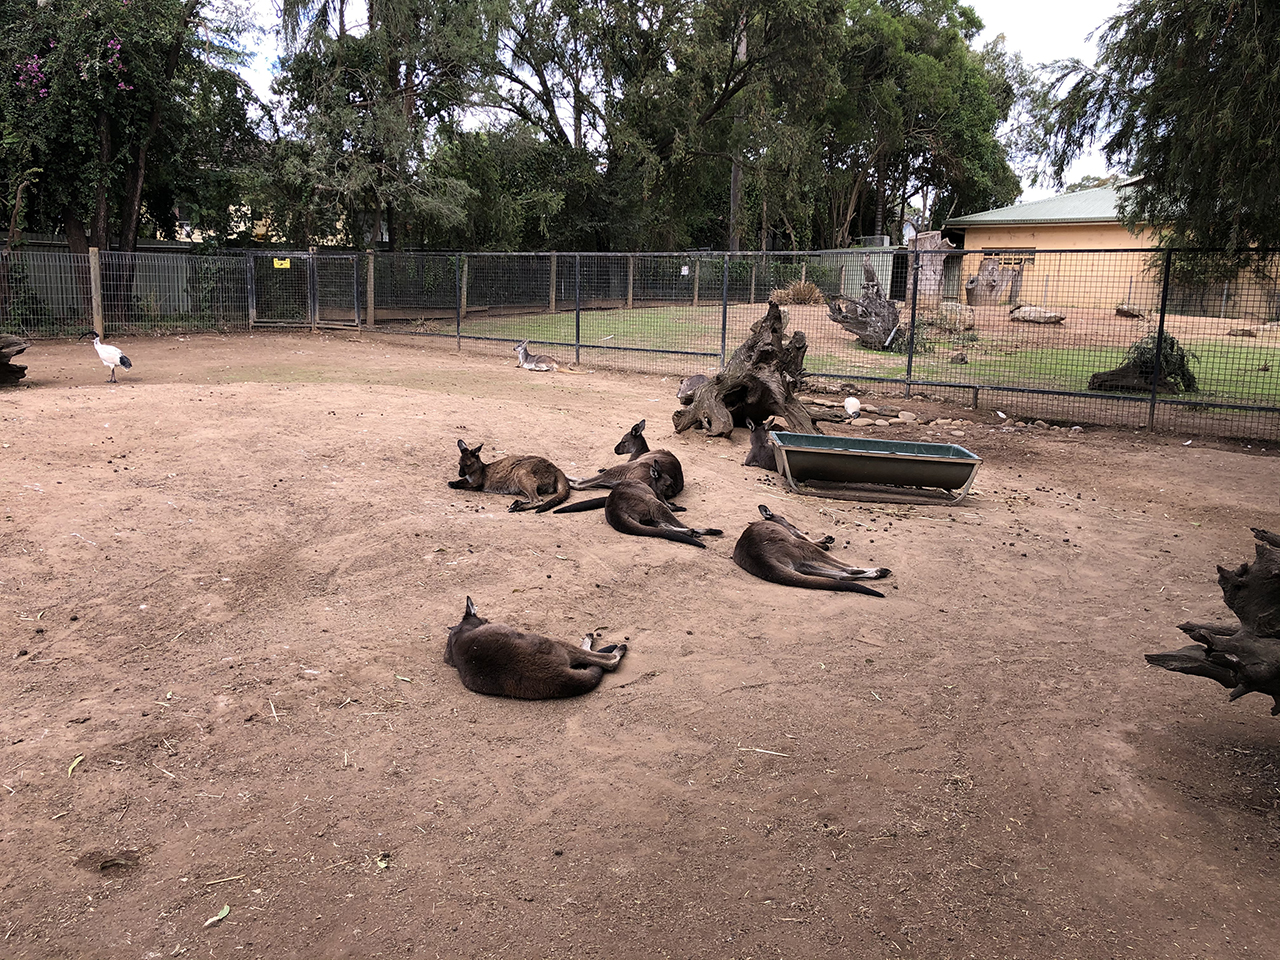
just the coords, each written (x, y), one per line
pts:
(529, 476)
(501, 661)
(774, 550)
(667, 484)
(633, 508)
(761, 453)
(689, 386)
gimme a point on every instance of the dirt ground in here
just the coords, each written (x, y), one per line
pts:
(226, 584)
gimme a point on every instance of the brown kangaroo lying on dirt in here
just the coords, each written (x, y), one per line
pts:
(774, 550)
(530, 476)
(502, 661)
(632, 507)
(761, 452)
(540, 361)
(634, 445)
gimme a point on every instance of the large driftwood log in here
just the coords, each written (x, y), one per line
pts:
(1243, 657)
(10, 347)
(872, 318)
(758, 382)
(1130, 378)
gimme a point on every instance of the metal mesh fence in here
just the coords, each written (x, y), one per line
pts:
(1183, 341)
(44, 294)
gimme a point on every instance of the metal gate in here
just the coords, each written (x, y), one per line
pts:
(304, 290)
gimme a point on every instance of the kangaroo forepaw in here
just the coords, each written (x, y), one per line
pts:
(519, 505)
(882, 572)
(826, 542)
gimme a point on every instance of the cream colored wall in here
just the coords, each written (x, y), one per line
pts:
(1099, 280)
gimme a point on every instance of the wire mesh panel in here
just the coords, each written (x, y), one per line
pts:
(416, 291)
(161, 293)
(336, 290)
(281, 289)
(44, 294)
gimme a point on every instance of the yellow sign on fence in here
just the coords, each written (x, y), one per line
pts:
(282, 264)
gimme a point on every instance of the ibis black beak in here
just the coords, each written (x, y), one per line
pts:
(88, 333)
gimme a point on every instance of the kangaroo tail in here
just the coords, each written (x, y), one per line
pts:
(582, 506)
(632, 527)
(560, 496)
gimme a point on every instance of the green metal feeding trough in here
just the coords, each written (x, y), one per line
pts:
(851, 468)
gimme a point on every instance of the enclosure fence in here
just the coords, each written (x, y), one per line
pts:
(1182, 341)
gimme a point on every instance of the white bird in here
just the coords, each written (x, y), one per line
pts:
(111, 357)
(852, 406)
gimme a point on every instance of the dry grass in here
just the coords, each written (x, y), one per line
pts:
(800, 291)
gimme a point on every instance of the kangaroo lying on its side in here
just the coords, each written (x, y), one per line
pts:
(774, 550)
(540, 361)
(530, 476)
(634, 445)
(632, 507)
(502, 661)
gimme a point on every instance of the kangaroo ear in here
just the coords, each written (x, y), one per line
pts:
(476, 449)
(462, 445)
(766, 512)
(750, 425)
(637, 429)
(471, 608)
(654, 471)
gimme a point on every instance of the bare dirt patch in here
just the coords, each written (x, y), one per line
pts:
(226, 585)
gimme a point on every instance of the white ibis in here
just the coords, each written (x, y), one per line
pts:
(112, 357)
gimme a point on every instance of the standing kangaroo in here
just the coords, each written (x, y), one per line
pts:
(501, 661)
(634, 445)
(774, 550)
(530, 476)
(540, 361)
(632, 507)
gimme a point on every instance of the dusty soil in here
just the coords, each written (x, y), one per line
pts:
(226, 584)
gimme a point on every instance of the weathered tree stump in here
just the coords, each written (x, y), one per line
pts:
(758, 382)
(1244, 657)
(993, 283)
(10, 347)
(1130, 378)
(872, 318)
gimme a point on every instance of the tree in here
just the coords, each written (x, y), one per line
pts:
(116, 108)
(1185, 95)
(359, 111)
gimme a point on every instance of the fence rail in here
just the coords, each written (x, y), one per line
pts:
(1029, 331)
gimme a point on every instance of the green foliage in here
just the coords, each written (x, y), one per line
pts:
(1175, 362)
(1186, 96)
(130, 108)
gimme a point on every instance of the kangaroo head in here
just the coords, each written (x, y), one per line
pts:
(783, 522)
(470, 621)
(633, 441)
(470, 468)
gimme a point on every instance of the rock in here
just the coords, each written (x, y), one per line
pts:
(959, 357)
(957, 433)
(1242, 332)
(882, 423)
(954, 317)
(1028, 314)
(1129, 311)
(907, 415)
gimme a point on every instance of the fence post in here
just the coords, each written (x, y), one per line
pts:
(457, 295)
(577, 308)
(752, 299)
(697, 264)
(551, 296)
(911, 337)
(95, 290)
(462, 289)
(251, 287)
(724, 310)
(1164, 304)
(631, 280)
(313, 289)
(370, 318)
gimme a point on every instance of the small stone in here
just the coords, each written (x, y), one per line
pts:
(957, 433)
(907, 415)
(882, 423)
(1041, 423)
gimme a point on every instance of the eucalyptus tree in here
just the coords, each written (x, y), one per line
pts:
(360, 107)
(1185, 95)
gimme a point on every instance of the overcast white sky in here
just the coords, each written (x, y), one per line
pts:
(1041, 32)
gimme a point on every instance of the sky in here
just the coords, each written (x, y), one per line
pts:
(1040, 32)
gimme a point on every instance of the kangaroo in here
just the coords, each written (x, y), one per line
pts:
(531, 476)
(761, 452)
(501, 661)
(632, 507)
(540, 361)
(650, 475)
(689, 386)
(633, 444)
(774, 550)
